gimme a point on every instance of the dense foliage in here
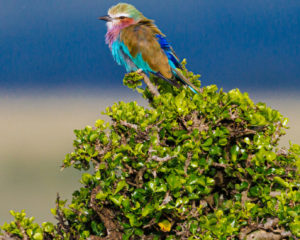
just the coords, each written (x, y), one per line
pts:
(191, 166)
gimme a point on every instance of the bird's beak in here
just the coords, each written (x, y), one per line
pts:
(105, 18)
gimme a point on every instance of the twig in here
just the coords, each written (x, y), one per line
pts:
(61, 225)
(151, 223)
(187, 163)
(164, 159)
(132, 184)
(220, 165)
(139, 177)
(167, 198)
(264, 231)
(274, 194)
(263, 235)
(271, 222)
(129, 125)
(25, 237)
(7, 237)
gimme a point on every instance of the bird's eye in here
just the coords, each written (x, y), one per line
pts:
(122, 17)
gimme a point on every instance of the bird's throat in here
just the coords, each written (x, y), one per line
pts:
(113, 30)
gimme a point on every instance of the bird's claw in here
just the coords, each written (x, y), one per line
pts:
(139, 71)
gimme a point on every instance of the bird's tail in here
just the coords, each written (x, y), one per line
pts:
(186, 81)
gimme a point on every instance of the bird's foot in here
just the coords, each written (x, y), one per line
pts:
(139, 71)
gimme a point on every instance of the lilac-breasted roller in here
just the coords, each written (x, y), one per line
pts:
(137, 43)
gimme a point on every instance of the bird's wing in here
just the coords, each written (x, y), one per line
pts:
(141, 39)
(174, 62)
(164, 44)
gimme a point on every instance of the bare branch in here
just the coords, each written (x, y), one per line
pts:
(129, 125)
(274, 194)
(220, 165)
(263, 235)
(25, 237)
(151, 223)
(164, 159)
(187, 162)
(271, 222)
(61, 225)
(7, 237)
(167, 198)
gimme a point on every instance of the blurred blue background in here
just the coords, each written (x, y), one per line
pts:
(57, 74)
(60, 43)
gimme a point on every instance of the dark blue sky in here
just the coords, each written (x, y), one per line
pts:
(49, 44)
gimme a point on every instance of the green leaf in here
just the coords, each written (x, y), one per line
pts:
(101, 195)
(117, 199)
(48, 227)
(93, 137)
(193, 227)
(254, 191)
(281, 181)
(38, 236)
(174, 182)
(149, 208)
(208, 142)
(132, 220)
(234, 152)
(120, 186)
(295, 228)
(86, 178)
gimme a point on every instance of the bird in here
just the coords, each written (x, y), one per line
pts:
(138, 44)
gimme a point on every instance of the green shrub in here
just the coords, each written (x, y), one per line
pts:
(190, 166)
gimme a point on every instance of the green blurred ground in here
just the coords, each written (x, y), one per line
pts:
(37, 131)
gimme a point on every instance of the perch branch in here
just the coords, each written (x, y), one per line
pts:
(149, 84)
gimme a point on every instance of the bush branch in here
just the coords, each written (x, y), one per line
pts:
(107, 217)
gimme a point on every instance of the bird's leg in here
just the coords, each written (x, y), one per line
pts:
(139, 71)
(149, 84)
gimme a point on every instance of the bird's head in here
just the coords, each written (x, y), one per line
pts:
(122, 15)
